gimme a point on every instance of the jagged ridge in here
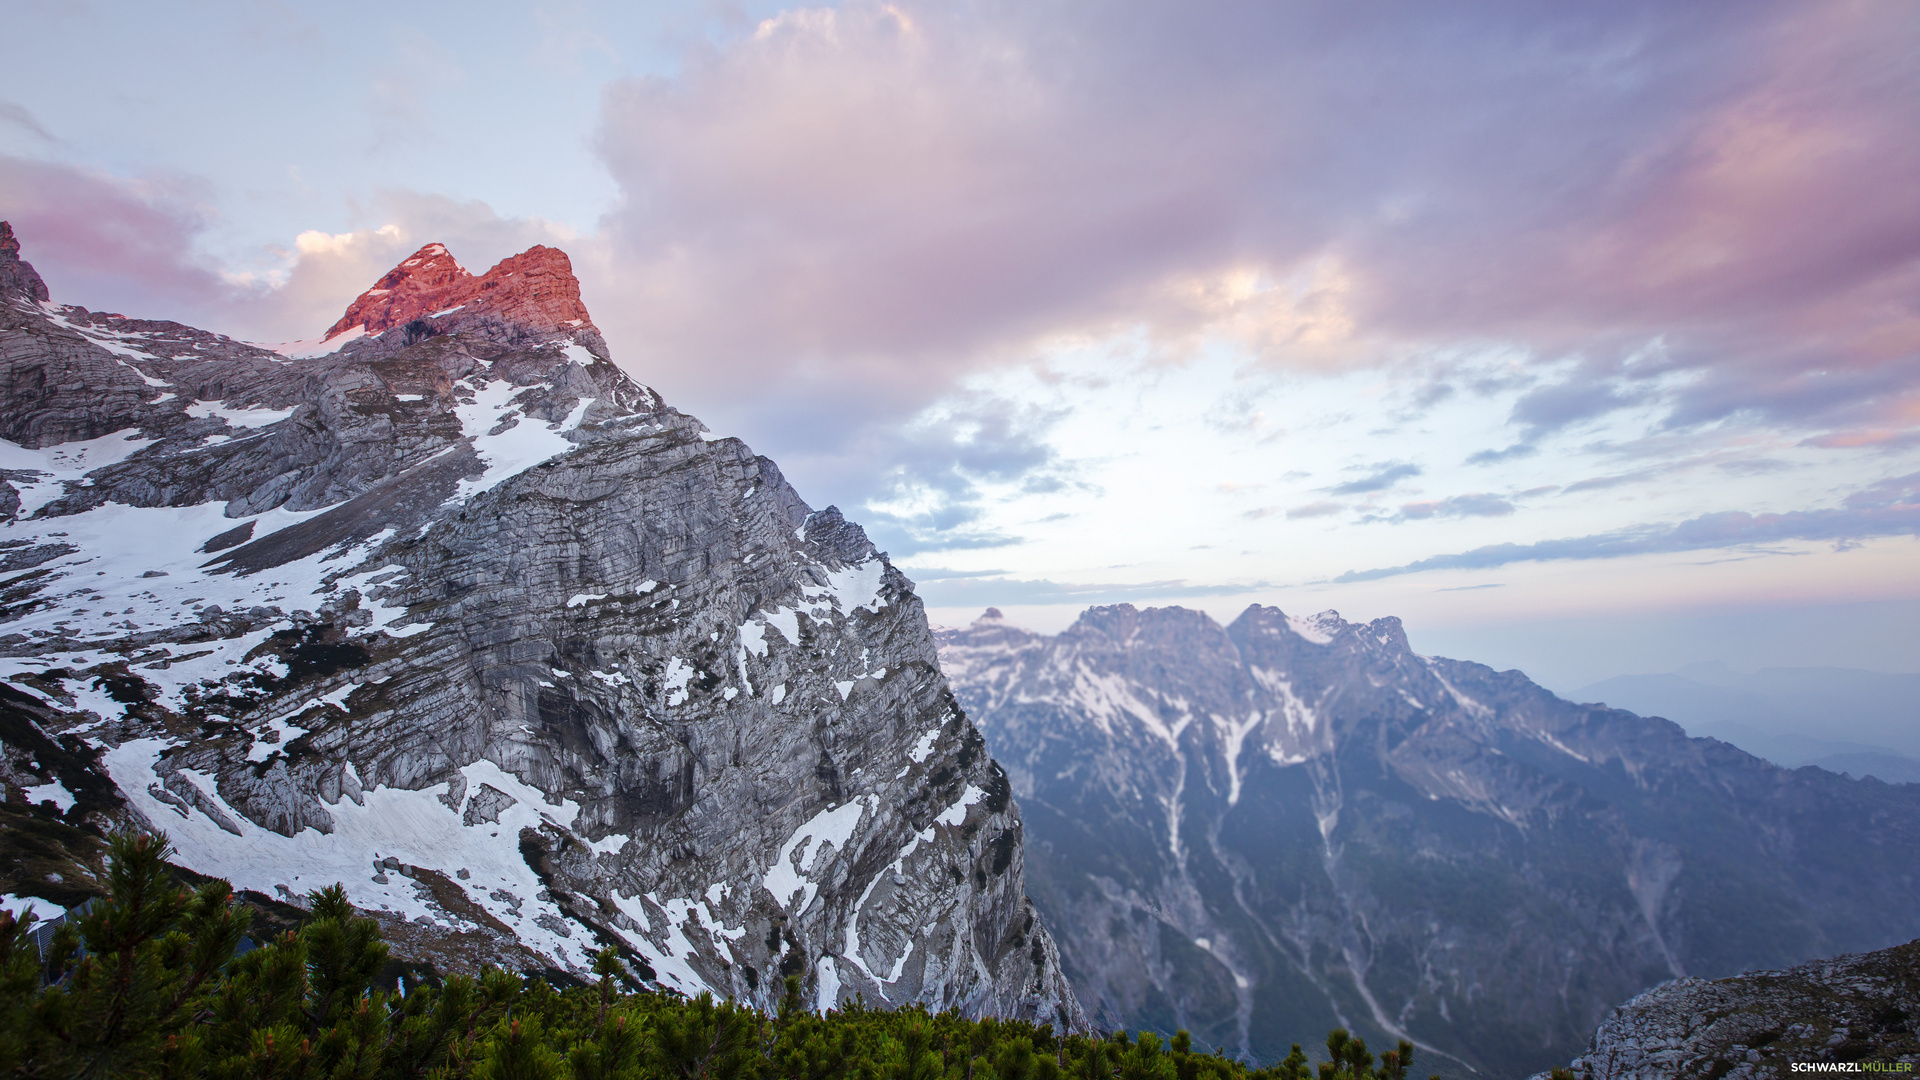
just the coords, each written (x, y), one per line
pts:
(1261, 830)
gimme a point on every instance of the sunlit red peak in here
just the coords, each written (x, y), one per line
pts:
(534, 291)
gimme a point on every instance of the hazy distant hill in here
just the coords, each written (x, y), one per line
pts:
(1843, 719)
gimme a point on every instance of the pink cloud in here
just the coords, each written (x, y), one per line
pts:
(881, 197)
(94, 236)
(827, 222)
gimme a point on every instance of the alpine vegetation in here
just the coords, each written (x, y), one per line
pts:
(157, 980)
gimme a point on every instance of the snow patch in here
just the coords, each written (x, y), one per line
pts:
(1234, 733)
(256, 417)
(21, 906)
(858, 586)
(923, 746)
(806, 851)
(957, 813)
(64, 462)
(753, 638)
(413, 826)
(786, 622)
(518, 446)
(678, 674)
(1319, 629)
(54, 792)
(310, 348)
(829, 985)
(576, 414)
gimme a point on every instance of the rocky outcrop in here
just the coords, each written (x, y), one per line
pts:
(476, 625)
(17, 277)
(530, 295)
(1847, 1014)
(1263, 830)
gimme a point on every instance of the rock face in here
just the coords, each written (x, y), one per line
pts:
(471, 622)
(1261, 831)
(17, 277)
(1844, 1014)
(529, 296)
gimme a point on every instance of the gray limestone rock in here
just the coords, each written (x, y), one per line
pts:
(477, 611)
(1848, 1014)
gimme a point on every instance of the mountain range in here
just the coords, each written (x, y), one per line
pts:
(1867, 722)
(1262, 830)
(446, 607)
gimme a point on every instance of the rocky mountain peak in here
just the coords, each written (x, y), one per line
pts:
(472, 623)
(16, 274)
(532, 294)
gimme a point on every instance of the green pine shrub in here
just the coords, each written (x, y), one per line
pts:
(147, 984)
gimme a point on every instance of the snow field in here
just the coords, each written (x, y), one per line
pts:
(415, 827)
(806, 851)
(523, 443)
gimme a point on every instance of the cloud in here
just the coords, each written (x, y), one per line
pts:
(888, 197)
(93, 236)
(1880, 439)
(1601, 483)
(1888, 508)
(1891, 493)
(829, 221)
(934, 475)
(1754, 466)
(993, 592)
(1384, 476)
(1319, 508)
(1513, 452)
(1550, 408)
(18, 116)
(1481, 504)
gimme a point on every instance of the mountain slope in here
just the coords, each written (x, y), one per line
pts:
(448, 608)
(1263, 830)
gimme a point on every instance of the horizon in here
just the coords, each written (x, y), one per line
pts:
(1581, 342)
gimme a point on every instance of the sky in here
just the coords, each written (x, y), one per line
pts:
(1584, 338)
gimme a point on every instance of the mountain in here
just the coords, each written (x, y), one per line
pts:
(447, 608)
(1819, 1015)
(1844, 720)
(1262, 830)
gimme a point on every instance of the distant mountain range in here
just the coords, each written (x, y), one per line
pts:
(1262, 830)
(1862, 723)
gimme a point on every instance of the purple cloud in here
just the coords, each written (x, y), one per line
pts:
(1480, 504)
(1320, 508)
(1888, 508)
(1383, 476)
(885, 197)
(827, 222)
